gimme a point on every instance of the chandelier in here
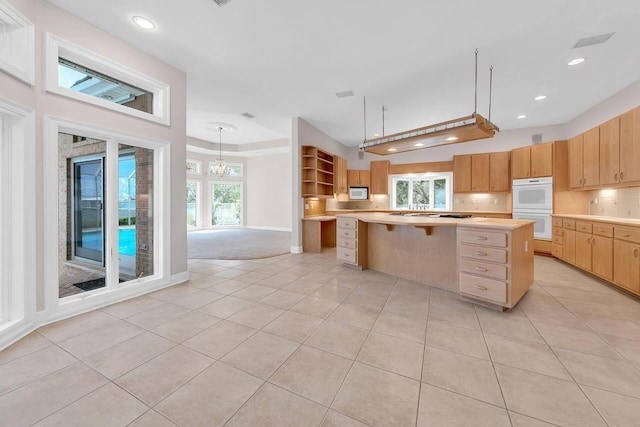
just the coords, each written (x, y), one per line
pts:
(220, 168)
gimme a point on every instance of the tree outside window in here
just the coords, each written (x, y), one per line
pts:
(421, 192)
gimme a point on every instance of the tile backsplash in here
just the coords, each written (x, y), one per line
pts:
(482, 202)
(378, 201)
(621, 202)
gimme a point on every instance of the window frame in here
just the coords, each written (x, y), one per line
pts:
(241, 165)
(199, 167)
(429, 176)
(57, 47)
(211, 184)
(198, 184)
(21, 64)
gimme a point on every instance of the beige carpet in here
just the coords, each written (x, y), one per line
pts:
(237, 243)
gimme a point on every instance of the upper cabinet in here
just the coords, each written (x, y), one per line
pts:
(532, 162)
(380, 177)
(630, 146)
(584, 160)
(481, 173)
(316, 172)
(340, 178)
(610, 152)
(359, 178)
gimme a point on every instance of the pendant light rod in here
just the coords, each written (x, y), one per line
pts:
(383, 120)
(364, 108)
(220, 142)
(490, 89)
(475, 105)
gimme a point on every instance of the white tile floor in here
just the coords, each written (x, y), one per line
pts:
(299, 340)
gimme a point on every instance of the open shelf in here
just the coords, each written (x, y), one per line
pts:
(316, 172)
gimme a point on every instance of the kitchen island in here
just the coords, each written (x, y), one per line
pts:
(487, 259)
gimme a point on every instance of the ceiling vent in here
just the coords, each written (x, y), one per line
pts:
(221, 2)
(344, 94)
(248, 115)
(590, 41)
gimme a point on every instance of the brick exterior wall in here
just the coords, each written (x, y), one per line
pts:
(144, 212)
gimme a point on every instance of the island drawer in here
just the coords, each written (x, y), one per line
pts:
(495, 271)
(556, 250)
(557, 222)
(347, 255)
(557, 231)
(481, 287)
(627, 233)
(349, 234)
(569, 224)
(557, 240)
(348, 243)
(485, 238)
(603, 230)
(484, 254)
(350, 223)
(584, 227)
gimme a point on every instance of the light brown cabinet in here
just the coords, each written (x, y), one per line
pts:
(380, 177)
(340, 182)
(316, 172)
(584, 160)
(609, 251)
(359, 178)
(352, 242)
(610, 152)
(630, 146)
(481, 173)
(532, 162)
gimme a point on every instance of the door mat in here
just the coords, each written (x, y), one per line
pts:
(90, 285)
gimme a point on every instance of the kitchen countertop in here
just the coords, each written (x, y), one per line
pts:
(319, 218)
(340, 211)
(607, 219)
(422, 221)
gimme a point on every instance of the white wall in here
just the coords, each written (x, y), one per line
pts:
(269, 192)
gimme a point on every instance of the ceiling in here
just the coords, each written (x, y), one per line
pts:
(280, 59)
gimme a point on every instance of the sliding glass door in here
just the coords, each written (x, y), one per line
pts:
(88, 203)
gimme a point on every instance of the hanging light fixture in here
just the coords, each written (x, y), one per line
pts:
(220, 168)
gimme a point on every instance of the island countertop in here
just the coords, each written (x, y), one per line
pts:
(422, 220)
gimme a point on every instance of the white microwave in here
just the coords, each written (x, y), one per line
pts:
(358, 193)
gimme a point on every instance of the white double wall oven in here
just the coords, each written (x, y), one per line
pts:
(533, 200)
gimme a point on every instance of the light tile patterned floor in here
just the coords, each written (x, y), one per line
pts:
(298, 340)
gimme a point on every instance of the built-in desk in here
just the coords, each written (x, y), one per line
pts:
(318, 231)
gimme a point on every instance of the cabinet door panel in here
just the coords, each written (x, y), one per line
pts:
(462, 174)
(521, 163)
(602, 252)
(353, 179)
(569, 246)
(480, 172)
(626, 265)
(365, 178)
(499, 179)
(575, 162)
(542, 160)
(610, 152)
(630, 146)
(591, 158)
(380, 177)
(583, 251)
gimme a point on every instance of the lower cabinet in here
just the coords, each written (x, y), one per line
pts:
(351, 236)
(609, 251)
(495, 266)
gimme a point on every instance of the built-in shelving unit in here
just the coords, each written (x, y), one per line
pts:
(317, 171)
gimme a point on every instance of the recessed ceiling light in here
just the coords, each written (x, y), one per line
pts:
(419, 144)
(451, 138)
(540, 97)
(215, 126)
(392, 149)
(521, 116)
(144, 23)
(576, 61)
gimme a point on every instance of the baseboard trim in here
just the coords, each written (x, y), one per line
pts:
(269, 228)
(15, 331)
(296, 249)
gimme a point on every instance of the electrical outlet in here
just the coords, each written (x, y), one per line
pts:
(306, 206)
(473, 201)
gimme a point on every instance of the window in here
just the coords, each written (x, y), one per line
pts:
(421, 191)
(75, 72)
(235, 169)
(17, 49)
(194, 167)
(193, 203)
(226, 207)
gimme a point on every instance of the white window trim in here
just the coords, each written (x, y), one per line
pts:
(211, 199)
(56, 308)
(57, 47)
(417, 176)
(18, 59)
(17, 221)
(199, 163)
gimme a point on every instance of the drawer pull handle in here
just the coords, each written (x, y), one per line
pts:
(615, 177)
(481, 253)
(481, 269)
(635, 252)
(482, 288)
(481, 238)
(625, 235)
(601, 230)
